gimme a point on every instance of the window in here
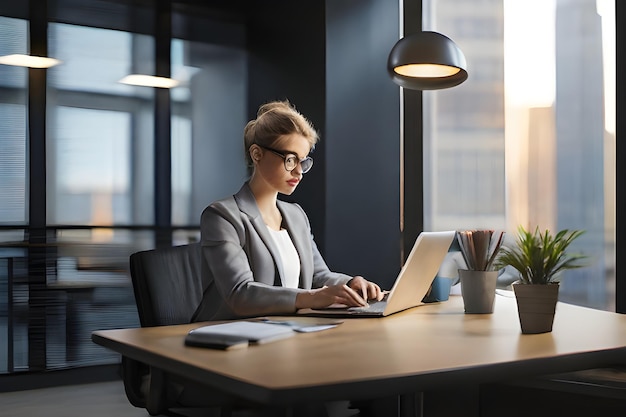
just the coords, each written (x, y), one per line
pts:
(92, 167)
(529, 138)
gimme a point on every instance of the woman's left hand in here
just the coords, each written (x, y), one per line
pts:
(367, 289)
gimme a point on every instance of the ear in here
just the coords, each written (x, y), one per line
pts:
(255, 152)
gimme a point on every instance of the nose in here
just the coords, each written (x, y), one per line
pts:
(305, 165)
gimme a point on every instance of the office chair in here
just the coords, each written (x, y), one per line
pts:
(167, 284)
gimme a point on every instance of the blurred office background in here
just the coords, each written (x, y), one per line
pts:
(92, 170)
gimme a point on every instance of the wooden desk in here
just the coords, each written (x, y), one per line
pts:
(423, 348)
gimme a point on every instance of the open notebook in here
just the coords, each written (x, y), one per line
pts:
(412, 282)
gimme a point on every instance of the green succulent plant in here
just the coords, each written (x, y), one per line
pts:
(538, 256)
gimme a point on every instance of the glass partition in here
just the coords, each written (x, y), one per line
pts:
(100, 150)
(13, 101)
(208, 117)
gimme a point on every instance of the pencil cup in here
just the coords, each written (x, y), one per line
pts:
(478, 289)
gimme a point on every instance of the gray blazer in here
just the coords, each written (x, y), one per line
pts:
(242, 270)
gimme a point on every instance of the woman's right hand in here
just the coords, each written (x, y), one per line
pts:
(329, 295)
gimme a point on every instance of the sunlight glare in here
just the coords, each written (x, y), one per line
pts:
(529, 63)
(606, 10)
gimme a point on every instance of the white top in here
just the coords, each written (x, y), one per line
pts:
(289, 256)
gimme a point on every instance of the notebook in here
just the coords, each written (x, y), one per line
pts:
(411, 285)
(237, 334)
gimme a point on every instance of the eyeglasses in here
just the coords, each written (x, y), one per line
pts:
(291, 160)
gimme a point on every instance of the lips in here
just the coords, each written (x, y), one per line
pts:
(293, 183)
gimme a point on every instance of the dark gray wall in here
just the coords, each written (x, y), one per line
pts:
(330, 61)
(286, 45)
(362, 140)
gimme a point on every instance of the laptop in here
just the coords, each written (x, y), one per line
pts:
(411, 285)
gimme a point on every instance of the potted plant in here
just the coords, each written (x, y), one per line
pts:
(539, 257)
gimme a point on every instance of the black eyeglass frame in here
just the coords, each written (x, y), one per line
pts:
(305, 163)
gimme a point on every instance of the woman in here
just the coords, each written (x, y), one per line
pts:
(259, 254)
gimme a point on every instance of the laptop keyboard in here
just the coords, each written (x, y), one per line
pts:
(374, 307)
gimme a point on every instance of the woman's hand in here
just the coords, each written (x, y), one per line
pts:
(367, 289)
(329, 295)
(354, 294)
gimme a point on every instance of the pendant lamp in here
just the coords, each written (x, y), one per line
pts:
(426, 61)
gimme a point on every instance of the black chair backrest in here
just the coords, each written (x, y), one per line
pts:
(167, 284)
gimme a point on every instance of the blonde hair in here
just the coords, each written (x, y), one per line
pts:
(276, 119)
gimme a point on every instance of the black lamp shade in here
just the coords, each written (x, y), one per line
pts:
(426, 61)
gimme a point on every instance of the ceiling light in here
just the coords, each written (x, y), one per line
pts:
(149, 81)
(28, 61)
